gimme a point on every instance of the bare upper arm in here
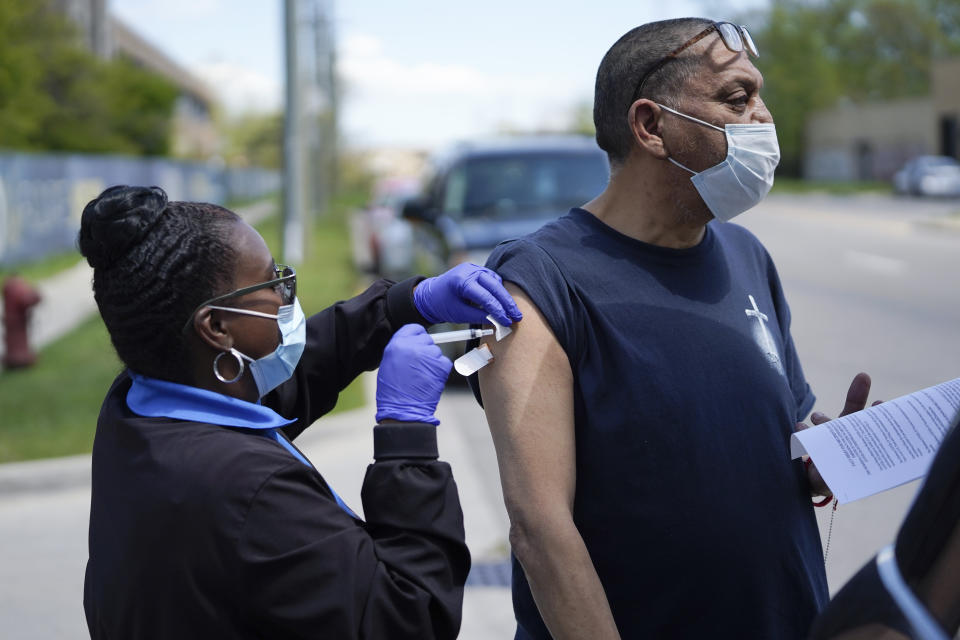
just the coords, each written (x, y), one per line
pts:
(528, 397)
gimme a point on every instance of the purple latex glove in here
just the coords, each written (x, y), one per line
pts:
(466, 293)
(411, 377)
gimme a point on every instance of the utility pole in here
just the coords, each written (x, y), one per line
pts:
(326, 80)
(309, 142)
(293, 169)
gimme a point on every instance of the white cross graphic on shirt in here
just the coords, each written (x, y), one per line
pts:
(755, 312)
(762, 335)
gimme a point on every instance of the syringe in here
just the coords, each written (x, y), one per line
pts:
(460, 336)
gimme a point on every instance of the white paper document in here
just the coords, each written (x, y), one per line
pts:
(880, 447)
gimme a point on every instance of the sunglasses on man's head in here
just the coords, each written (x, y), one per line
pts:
(284, 283)
(735, 37)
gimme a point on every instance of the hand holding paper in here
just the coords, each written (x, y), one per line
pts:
(882, 447)
(855, 401)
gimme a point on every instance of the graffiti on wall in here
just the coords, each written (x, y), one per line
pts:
(43, 195)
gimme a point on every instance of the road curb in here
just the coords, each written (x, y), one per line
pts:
(951, 224)
(73, 472)
(50, 474)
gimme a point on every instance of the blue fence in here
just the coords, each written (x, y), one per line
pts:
(43, 195)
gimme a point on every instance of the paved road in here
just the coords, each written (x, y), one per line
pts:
(870, 288)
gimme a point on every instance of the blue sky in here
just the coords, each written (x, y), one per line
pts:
(416, 73)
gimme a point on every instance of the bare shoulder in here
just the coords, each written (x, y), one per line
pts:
(530, 371)
(528, 397)
(530, 342)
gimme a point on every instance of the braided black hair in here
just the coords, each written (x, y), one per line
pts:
(153, 263)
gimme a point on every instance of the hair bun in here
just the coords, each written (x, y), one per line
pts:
(117, 220)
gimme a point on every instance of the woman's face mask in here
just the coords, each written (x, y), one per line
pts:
(745, 176)
(272, 370)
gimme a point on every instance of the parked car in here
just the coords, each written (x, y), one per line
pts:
(929, 176)
(380, 217)
(482, 193)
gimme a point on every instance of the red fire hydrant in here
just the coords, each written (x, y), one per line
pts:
(18, 298)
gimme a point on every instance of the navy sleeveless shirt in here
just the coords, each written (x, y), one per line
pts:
(687, 387)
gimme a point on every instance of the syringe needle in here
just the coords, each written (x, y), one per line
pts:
(459, 336)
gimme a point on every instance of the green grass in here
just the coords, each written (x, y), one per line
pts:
(51, 265)
(796, 185)
(238, 203)
(51, 408)
(327, 273)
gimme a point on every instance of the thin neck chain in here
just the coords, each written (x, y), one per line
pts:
(826, 550)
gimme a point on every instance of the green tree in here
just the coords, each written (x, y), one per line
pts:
(55, 95)
(140, 106)
(814, 53)
(581, 119)
(799, 73)
(254, 140)
(27, 32)
(79, 120)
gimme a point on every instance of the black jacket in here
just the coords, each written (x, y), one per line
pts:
(204, 531)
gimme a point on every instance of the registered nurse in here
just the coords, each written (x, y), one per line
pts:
(205, 520)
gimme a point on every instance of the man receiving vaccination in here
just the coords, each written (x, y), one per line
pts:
(642, 410)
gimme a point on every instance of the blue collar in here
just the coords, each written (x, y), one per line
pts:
(154, 398)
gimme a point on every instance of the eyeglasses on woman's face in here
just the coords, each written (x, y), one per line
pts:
(284, 284)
